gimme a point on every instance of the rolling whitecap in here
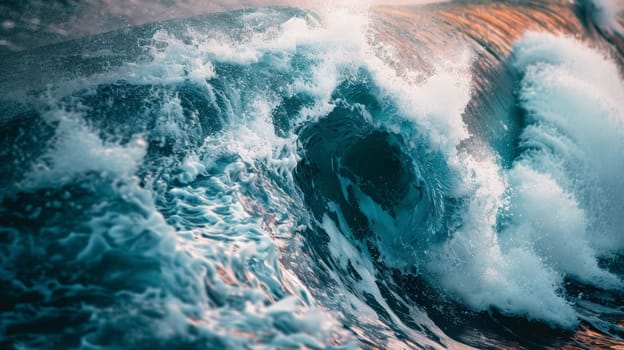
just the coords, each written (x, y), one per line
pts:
(275, 178)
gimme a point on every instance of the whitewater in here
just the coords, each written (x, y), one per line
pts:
(279, 178)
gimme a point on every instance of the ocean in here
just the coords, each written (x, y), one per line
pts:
(336, 176)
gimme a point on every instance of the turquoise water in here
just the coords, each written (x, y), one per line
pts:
(262, 179)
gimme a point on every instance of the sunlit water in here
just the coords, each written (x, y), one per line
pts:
(279, 178)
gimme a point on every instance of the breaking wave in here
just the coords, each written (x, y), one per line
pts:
(264, 179)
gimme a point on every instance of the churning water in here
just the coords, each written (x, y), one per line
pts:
(268, 178)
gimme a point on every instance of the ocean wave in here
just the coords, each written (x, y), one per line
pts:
(273, 179)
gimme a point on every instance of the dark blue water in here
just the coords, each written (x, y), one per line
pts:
(261, 179)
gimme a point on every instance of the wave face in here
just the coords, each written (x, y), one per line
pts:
(268, 178)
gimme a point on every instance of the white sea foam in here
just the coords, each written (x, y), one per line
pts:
(506, 272)
(473, 266)
(480, 271)
(574, 98)
(519, 272)
(347, 254)
(574, 101)
(607, 14)
(77, 149)
(564, 192)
